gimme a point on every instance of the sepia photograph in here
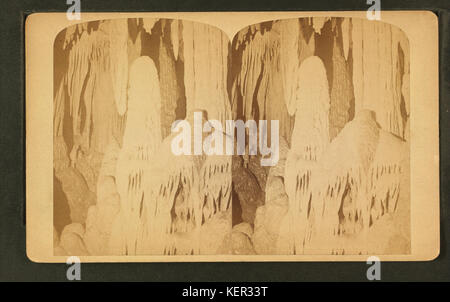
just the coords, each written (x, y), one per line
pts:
(223, 149)
(282, 137)
(338, 88)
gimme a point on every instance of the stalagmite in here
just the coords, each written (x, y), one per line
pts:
(183, 194)
(270, 216)
(171, 184)
(239, 241)
(311, 139)
(356, 183)
(101, 216)
(214, 202)
(141, 138)
(343, 167)
(71, 242)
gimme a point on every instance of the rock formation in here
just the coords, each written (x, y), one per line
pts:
(320, 102)
(339, 88)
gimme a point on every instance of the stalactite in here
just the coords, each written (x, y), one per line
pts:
(375, 76)
(215, 185)
(170, 91)
(97, 74)
(346, 36)
(58, 109)
(60, 152)
(174, 37)
(180, 199)
(148, 24)
(205, 71)
(259, 49)
(78, 70)
(171, 201)
(318, 23)
(336, 179)
(265, 53)
(118, 61)
(341, 94)
(167, 187)
(101, 216)
(289, 61)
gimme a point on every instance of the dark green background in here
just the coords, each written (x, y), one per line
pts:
(14, 265)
